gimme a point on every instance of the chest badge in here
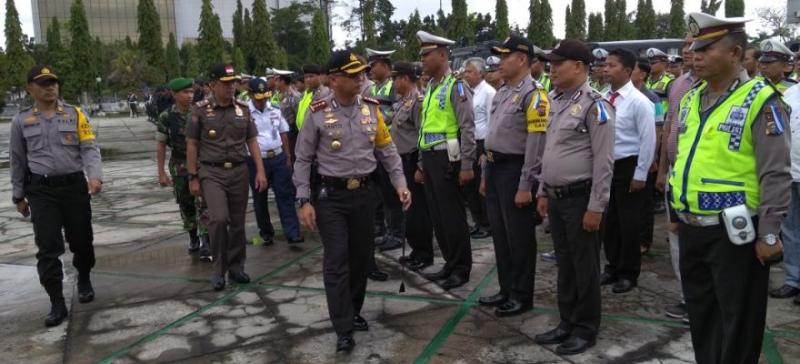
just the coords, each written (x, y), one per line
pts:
(239, 111)
(575, 110)
(515, 98)
(365, 110)
(336, 145)
(212, 134)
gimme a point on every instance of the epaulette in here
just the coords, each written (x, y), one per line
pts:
(371, 100)
(774, 88)
(318, 105)
(201, 103)
(594, 94)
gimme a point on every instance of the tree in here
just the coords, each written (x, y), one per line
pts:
(80, 75)
(734, 8)
(264, 47)
(595, 32)
(411, 48)
(458, 25)
(610, 29)
(172, 58)
(774, 19)
(238, 26)
(319, 49)
(149, 27)
(578, 19)
(501, 19)
(189, 60)
(54, 52)
(677, 24)
(384, 23)
(710, 6)
(17, 61)
(239, 62)
(248, 37)
(368, 22)
(210, 43)
(569, 26)
(645, 19)
(540, 25)
(291, 32)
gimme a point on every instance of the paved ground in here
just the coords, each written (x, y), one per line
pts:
(154, 303)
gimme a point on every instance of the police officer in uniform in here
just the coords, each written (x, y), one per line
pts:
(574, 191)
(741, 160)
(537, 69)
(290, 99)
(347, 136)
(405, 134)
(514, 147)
(598, 81)
(447, 142)
(219, 135)
(53, 153)
(171, 132)
(315, 90)
(774, 62)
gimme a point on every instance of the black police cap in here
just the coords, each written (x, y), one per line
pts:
(514, 43)
(40, 73)
(570, 49)
(405, 69)
(222, 72)
(346, 61)
(313, 69)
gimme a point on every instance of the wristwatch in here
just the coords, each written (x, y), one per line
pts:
(301, 202)
(770, 239)
(192, 176)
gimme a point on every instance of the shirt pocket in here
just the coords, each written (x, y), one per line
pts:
(239, 130)
(33, 137)
(68, 134)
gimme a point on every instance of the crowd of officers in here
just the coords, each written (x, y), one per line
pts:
(583, 146)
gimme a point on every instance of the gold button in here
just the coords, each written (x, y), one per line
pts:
(336, 145)
(212, 134)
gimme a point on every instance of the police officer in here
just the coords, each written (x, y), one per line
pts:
(493, 76)
(219, 135)
(171, 132)
(290, 99)
(598, 81)
(405, 134)
(574, 190)
(741, 160)
(347, 136)
(315, 90)
(537, 69)
(447, 160)
(380, 71)
(514, 146)
(774, 62)
(659, 81)
(53, 153)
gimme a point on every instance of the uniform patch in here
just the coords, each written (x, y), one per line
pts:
(774, 120)
(536, 115)
(30, 120)
(318, 105)
(575, 110)
(85, 131)
(382, 137)
(602, 112)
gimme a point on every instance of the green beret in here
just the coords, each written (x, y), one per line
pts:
(180, 83)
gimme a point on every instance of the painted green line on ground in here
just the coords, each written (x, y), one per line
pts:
(376, 294)
(152, 276)
(785, 333)
(241, 288)
(770, 350)
(450, 325)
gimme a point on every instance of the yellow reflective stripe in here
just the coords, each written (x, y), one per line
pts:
(85, 131)
(382, 137)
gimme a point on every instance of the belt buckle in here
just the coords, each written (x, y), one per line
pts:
(490, 156)
(353, 183)
(227, 165)
(270, 154)
(692, 219)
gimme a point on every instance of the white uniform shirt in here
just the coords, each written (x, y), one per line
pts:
(792, 97)
(270, 124)
(635, 128)
(482, 97)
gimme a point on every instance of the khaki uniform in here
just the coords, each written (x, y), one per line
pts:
(576, 176)
(222, 133)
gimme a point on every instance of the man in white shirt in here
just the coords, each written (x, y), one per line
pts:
(273, 141)
(634, 148)
(790, 229)
(482, 95)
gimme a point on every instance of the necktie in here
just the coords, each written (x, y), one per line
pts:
(613, 98)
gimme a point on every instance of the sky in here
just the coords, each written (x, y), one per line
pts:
(517, 10)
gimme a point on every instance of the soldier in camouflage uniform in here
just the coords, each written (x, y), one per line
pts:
(172, 133)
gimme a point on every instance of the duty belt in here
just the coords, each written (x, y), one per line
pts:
(226, 165)
(271, 153)
(570, 190)
(702, 220)
(56, 181)
(350, 184)
(497, 157)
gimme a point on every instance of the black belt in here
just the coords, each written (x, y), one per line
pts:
(178, 156)
(410, 156)
(571, 190)
(226, 165)
(497, 157)
(345, 183)
(56, 181)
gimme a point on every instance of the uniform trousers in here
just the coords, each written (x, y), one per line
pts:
(623, 221)
(476, 202)
(279, 178)
(419, 231)
(57, 203)
(225, 193)
(344, 219)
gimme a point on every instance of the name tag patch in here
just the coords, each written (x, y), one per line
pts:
(734, 125)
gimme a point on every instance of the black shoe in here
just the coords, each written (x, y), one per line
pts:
(58, 312)
(606, 279)
(512, 307)
(623, 285)
(359, 324)
(454, 281)
(554, 336)
(474, 229)
(392, 243)
(406, 260)
(677, 312)
(218, 282)
(442, 274)
(239, 277)
(345, 343)
(267, 240)
(480, 234)
(296, 240)
(418, 265)
(785, 291)
(379, 240)
(194, 241)
(377, 275)
(205, 250)
(574, 345)
(494, 300)
(85, 290)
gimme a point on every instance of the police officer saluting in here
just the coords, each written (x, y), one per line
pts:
(347, 136)
(514, 148)
(53, 153)
(732, 163)
(574, 190)
(447, 114)
(220, 134)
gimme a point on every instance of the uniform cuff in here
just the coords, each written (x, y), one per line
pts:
(597, 206)
(399, 182)
(303, 193)
(769, 226)
(525, 186)
(161, 137)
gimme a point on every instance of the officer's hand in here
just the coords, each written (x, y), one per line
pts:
(261, 182)
(465, 176)
(405, 197)
(591, 220)
(768, 254)
(636, 186)
(418, 177)
(661, 182)
(23, 208)
(163, 180)
(308, 217)
(523, 198)
(95, 186)
(482, 187)
(541, 206)
(194, 188)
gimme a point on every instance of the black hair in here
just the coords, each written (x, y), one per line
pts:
(644, 65)
(626, 57)
(287, 79)
(738, 39)
(756, 51)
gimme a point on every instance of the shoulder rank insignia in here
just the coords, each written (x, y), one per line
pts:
(602, 112)
(577, 96)
(318, 105)
(370, 100)
(774, 119)
(201, 103)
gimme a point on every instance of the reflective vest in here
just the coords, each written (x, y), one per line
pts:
(781, 86)
(305, 102)
(383, 93)
(544, 80)
(715, 166)
(659, 87)
(439, 122)
(276, 98)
